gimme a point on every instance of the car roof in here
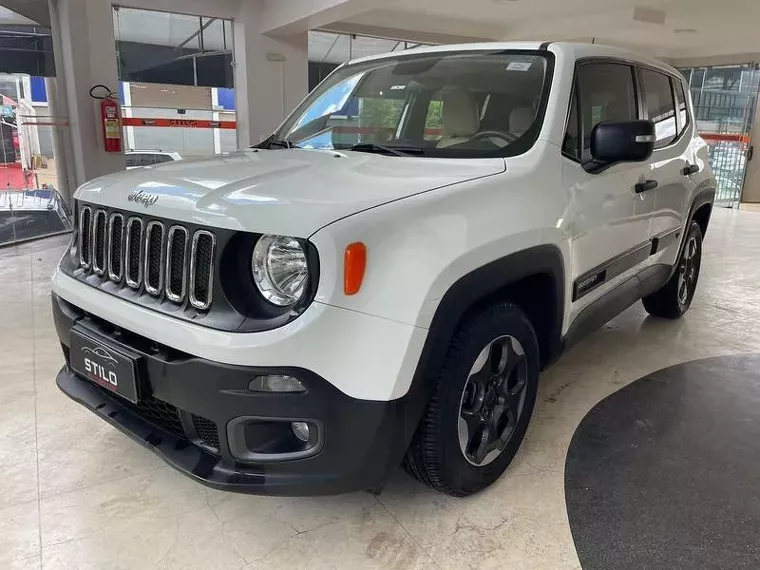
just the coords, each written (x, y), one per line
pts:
(570, 50)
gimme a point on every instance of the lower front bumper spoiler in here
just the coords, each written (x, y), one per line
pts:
(186, 458)
(216, 472)
(191, 408)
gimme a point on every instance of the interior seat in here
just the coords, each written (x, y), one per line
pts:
(460, 118)
(520, 120)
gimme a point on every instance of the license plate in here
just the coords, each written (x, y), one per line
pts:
(102, 363)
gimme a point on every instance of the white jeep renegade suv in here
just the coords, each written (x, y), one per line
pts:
(381, 281)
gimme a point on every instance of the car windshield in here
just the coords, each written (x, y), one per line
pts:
(455, 104)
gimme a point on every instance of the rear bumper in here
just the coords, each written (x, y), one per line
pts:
(191, 409)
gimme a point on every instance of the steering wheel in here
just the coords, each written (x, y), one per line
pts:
(507, 137)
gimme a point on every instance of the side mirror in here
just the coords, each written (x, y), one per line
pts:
(623, 141)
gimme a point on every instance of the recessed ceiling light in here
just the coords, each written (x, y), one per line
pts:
(685, 31)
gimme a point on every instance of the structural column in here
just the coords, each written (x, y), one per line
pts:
(271, 75)
(751, 191)
(85, 55)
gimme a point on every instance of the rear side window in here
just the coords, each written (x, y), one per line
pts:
(660, 107)
(681, 107)
(604, 92)
(433, 120)
(133, 160)
(159, 158)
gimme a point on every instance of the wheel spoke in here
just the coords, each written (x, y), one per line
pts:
(481, 360)
(514, 379)
(513, 359)
(508, 429)
(483, 446)
(512, 403)
(503, 423)
(473, 421)
(499, 355)
(519, 386)
(474, 393)
(493, 419)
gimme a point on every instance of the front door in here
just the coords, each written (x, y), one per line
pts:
(609, 231)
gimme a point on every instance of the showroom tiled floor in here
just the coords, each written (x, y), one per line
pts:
(75, 493)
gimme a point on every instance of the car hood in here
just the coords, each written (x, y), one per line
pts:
(291, 192)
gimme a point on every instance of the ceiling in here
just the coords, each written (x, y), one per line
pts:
(672, 29)
(171, 29)
(339, 48)
(694, 30)
(8, 17)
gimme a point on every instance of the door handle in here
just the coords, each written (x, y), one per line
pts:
(690, 169)
(645, 186)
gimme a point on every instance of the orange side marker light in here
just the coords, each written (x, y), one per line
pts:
(354, 264)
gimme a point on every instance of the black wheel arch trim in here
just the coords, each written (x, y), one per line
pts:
(465, 295)
(482, 283)
(705, 195)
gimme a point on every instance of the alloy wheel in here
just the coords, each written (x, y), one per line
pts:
(687, 271)
(493, 400)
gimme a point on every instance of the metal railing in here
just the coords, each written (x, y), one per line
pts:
(725, 99)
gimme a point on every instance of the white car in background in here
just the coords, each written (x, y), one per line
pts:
(138, 158)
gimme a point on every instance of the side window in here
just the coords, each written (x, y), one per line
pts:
(605, 93)
(159, 158)
(658, 100)
(683, 112)
(570, 144)
(132, 160)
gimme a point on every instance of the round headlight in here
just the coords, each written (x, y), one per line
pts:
(280, 270)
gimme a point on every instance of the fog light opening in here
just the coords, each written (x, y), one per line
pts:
(276, 383)
(301, 430)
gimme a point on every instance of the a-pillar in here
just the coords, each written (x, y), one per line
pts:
(85, 55)
(271, 75)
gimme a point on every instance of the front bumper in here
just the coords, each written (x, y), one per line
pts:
(191, 406)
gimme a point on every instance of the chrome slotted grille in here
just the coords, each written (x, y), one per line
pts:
(176, 266)
(85, 219)
(201, 269)
(133, 258)
(143, 255)
(154, 258)
(99, 242)
(116, 247)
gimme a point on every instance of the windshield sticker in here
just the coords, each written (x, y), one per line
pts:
(397, 87)
(518, 66)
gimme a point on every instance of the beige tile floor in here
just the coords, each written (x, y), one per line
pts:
(75, 493)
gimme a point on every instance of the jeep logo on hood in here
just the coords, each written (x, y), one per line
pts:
(143, 198)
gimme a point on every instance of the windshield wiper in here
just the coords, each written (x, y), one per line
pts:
(394, 150)
(281, 144)
(271, 142)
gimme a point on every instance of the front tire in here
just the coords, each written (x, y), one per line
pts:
(481, 405)
(675, 297)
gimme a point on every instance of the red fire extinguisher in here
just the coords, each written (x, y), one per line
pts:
(110, 119)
